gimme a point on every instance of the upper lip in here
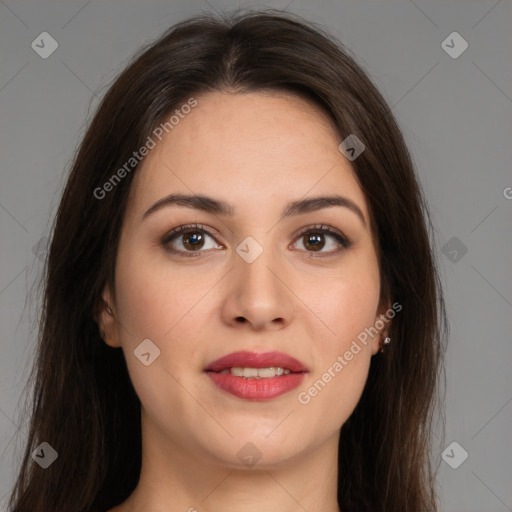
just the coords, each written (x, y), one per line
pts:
(246, 359)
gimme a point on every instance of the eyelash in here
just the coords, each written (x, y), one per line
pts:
(344, 242)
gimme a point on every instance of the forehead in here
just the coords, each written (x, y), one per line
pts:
(249, 149)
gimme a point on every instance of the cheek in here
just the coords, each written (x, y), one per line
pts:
(345, 302)
(356, 305)
(156, 302)
(155, 296)
(331, 397)
(333, 390)
(171, 308)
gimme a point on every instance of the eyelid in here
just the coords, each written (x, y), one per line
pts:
(190, 227)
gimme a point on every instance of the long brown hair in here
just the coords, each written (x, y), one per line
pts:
(83, 401)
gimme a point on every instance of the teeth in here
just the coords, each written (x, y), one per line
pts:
(257, 373)
(249, 372)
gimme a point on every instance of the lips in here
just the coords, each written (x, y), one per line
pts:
(256, 389)
(247, 359)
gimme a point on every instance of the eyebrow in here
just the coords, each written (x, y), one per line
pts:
(218, 207)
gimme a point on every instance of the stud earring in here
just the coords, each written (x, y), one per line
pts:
(384, 342)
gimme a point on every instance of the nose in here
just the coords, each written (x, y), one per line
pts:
(257, 296)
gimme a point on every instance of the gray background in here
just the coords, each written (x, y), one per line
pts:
(455, 115)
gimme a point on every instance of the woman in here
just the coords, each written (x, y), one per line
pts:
(242, 307)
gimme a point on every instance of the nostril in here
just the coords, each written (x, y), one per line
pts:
(241, 319)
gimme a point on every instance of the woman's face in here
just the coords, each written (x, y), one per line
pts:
(259, 277)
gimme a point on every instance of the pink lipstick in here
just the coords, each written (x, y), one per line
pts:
(257, 376)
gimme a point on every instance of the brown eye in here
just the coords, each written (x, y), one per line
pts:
(193, 240)
(324, 240)
(314, 242)
(190, 239)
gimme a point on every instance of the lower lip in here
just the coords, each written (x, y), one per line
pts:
(257, 389)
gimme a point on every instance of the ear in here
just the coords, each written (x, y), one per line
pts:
(382, 324)
(106, 319)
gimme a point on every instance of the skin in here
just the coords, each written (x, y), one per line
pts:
(256, 151)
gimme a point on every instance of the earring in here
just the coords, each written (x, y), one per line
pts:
(384, 342)
(109, 311)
